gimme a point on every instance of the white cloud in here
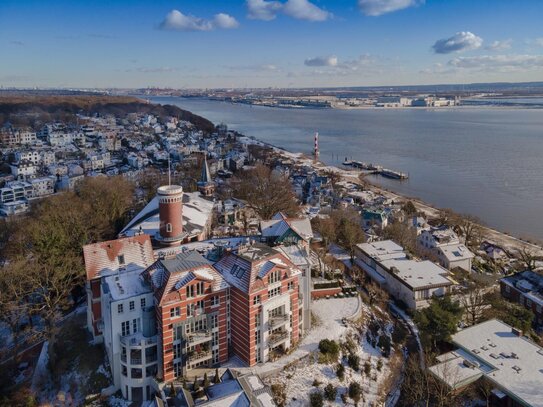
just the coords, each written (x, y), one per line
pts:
(461, 41)
(539, 41)
(299, 9)
(175, 20)
(379, 7)
(305, 10)
(321, 61)
(501, 63)
(500, 45)
(263, 10)
(225, 21)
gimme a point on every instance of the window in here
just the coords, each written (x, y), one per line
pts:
(256, 299)
(142, 303)
(215, 354)
(125, 328)
(191, 310)
(124, 371)
(178, 332)
(215, 301)
(175, 312)
(214, 321)
(132, 306)
(291, 285)
(257, 320)
(168, 227)
(528, 302)
(200, 288)
(120, 259)
(177, 351)
(257, 336)
(215, 339)
(274, 292)
(190, 291)
(274, 277)
(177, 368)
(120, 308)
(135, 325)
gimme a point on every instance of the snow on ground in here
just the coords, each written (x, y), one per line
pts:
(299, 377)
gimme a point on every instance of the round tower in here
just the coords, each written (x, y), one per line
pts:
(170, 209)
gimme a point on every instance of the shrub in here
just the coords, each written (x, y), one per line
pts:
(206, 381)
(316, 383)
(355, 392)
(384, 344)
(354, 362)
(217, 378)
(316, 399)
(327, 346)
(379, 364)
(279, 394)
(195, 385)
(330, 392)
(367, 368)
(340, 371)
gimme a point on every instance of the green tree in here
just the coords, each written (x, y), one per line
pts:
(217, 378)
(206, 381)
(439, 320)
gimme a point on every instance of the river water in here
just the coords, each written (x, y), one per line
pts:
(484, 161)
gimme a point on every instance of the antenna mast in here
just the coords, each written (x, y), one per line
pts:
(169, 171)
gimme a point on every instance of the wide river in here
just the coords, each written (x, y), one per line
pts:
(484, 161)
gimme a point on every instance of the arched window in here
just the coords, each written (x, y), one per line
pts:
(168, 227)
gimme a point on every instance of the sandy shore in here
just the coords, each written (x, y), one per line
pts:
(510, 243)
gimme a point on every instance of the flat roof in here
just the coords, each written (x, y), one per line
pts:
(418, 274)
(383, 250)
(125, 285)
(516, 362)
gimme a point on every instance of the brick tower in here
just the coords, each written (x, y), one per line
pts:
(170, 208)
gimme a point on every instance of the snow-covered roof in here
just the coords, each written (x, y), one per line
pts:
(418, 274)
(197, 212)
(125, 285)
(456, 252)
(125, 254)
(280, 224)
(512, 362)
(383, 250)
(253, 262)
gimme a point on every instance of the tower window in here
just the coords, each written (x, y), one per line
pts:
(168, 227)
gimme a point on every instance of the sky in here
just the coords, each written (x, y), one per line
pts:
(260, 43)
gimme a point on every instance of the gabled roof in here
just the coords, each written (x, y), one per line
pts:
(279, 224)
(251, 264)
(168, 276)
(104, 258)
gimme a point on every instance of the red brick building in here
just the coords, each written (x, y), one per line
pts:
(265, 304)
(191, 313)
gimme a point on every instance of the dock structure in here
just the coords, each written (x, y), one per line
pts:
(316, 147)
(376, 169)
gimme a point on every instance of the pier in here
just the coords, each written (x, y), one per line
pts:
(376, 169)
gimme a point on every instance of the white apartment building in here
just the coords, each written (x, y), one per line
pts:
(24, 169)
(32, 156)
(43, 186)
(414, 282)
(129, 334)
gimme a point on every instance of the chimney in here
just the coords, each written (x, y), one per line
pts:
(170, 208)
(516, 331)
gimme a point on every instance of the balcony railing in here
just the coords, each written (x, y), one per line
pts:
(199, 357)
(137, 339)
(278, 320)
(277, 338)
(197, 337)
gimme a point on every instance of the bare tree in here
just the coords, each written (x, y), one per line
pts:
(402, 234)
(265, 191)
(528, 258)
(474, 301)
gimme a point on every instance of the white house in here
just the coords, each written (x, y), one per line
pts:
(444, 243)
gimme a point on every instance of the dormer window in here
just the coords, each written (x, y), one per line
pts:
(274, 277)
(120, 258)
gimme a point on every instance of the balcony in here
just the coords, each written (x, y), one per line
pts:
(138, 339)
(197, 337)
(278, 320)
(277, 338)
(197, 357)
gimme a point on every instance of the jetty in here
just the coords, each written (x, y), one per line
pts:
(376, 169)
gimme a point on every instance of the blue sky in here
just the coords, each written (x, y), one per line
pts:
(260, 43)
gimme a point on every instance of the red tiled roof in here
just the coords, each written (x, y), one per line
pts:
(103, 258)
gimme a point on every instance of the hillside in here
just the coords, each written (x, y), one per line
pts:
(32, 110)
